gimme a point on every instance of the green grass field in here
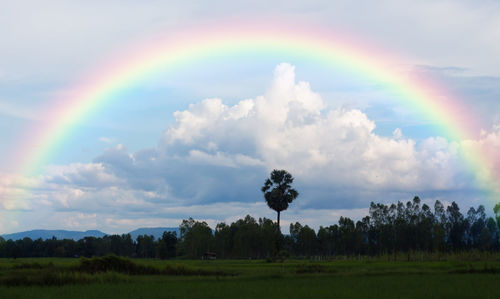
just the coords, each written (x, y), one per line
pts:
(253, 279)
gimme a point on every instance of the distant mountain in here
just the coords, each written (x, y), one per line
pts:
(157, 232)
(48, 234)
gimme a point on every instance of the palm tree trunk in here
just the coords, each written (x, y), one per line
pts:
(278, 233)
(279, 228)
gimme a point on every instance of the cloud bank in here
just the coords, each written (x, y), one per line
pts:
(212, 160)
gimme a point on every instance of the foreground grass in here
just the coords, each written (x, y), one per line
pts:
(297, 279)
(383, 286)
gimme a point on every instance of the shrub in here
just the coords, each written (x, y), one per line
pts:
(311, 268)
(116, 264)
(34, 265)
(126, 266)
(58, 278)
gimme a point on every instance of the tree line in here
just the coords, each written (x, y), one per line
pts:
(387, 230)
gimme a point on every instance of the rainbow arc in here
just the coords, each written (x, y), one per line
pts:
(182, 49)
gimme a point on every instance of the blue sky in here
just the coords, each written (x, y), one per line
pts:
(199, 142)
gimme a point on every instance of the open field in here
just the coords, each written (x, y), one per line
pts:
(250, 279)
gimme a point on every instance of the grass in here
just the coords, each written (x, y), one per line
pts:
(61, 278)
(106, 269)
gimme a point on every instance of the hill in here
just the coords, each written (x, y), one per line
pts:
(59, 234)
(157, 232)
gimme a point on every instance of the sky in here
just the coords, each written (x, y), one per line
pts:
(200, 141)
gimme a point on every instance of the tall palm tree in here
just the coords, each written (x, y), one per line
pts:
(278, 191)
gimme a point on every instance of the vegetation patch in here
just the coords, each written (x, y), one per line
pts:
(115, 264)
(107, 269)
(34, 265)
(476, 270)
(58, 278)
(311, 268)
(127, 266)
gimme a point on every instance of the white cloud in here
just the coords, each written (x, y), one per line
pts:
(106, 139)
(289, 128)
(211, 162)
(15, 190)
(83, 175)
(485, 151)
(397, 133)
(221, 159)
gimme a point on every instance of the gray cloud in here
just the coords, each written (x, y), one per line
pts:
(480, 94)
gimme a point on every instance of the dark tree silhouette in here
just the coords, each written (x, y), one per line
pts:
(166, 247)
(391, 230)
(496, 209)
(278, 191)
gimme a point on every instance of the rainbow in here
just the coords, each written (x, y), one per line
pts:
(183, 48)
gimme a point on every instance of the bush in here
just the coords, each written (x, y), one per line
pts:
(183, 270)
(126, 266)
(58, 278)
(116, 264)
(311, 268)
(34, 265)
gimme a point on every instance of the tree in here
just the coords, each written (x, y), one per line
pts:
(278, 191)
(456, 226)
(347, 235)
(268, 236)
(223, 240)
(246, 239)
(496, 209)
(306, 242)
(145, 246)
(167, 245)
(196, 238)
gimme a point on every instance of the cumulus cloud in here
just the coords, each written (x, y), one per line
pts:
(212, 160)
(290, 128)
(485, 151)
(216, 152)
(14, 189)
(84, 175)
